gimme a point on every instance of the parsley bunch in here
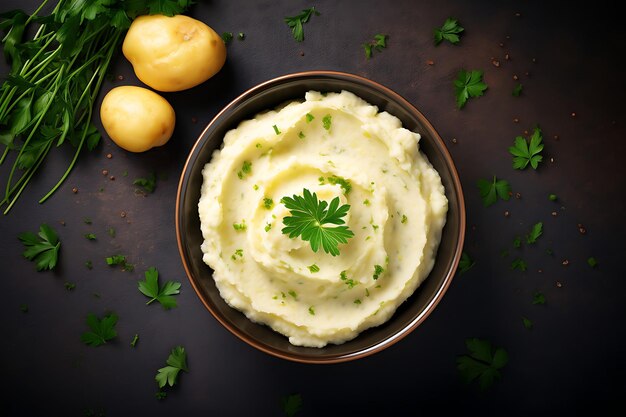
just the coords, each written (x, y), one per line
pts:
(47, 99)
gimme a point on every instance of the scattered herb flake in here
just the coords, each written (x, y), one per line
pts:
(534, 234)
(312, 310)
(238, 253)
(42, 248)
(24, 308)
(87, 220)
(133, 342)
(148, 184)
(301, 135)
(69, 285)
(240, 227)
(378, 44)
(313, 268)
(89, 264)
(327, 121)
(517, 242)
(120, 260)
(344, 183)
(592, 262)
(268, 227)
(378, 270)
(552, 197)
(527, 323)
(111, 232)
(246, 169)
(483, 362)
(309, 117)
(268, 203)
(276, 130)
(517, 91)
(227, 37)
(291, 404)
(90, 236)
(293, 294)
(404, 219)
(519, 264)
(539, 298)
(241, 36)
(466, 263)
(357, 301)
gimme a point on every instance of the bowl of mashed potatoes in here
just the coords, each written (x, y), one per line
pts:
(320, 217)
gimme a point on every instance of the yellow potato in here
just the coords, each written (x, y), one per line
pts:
(173, 53)
(137, 119)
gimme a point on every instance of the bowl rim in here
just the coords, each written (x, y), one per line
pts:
(441, 290)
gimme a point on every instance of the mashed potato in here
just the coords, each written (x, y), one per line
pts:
(334, 145)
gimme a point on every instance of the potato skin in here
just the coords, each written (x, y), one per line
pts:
(137, 119)
(173, 53)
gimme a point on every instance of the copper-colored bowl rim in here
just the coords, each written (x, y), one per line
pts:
(409, 327)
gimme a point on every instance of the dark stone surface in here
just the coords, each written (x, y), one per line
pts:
(571, 361)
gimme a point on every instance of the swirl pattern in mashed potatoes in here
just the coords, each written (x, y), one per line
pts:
(335, 145)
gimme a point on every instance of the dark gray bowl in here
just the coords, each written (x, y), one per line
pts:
(266, 96)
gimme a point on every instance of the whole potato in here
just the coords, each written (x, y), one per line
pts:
(137, 119)
(173, 53)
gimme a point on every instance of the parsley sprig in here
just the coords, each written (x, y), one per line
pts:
(308, 217)
(176, 362)
(483, 362)
(450, 31)
(378, 44)
(525, 152)
(296, 22)
(468, 84)
(42, 248)
(163, 294)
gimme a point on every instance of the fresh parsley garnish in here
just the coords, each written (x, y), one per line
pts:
(483, 362)
(327, 121)
(517, 91)
(134, 341)
(312, 310)
(378, 44)
(313, 268)
(246, 169)
(378, 270)
(535, 232)
(592, 262)
(120, 260)
(343, 183)
(527, 323)
(308, 217)
(176, 362)
(450, 31)
(69, 285)
(519, 264)
(276, 130)
(465, 264)
(227, 37)
(42, 248)
(404, 219)
(240, 227)
(525, 153)
(309, 117)
(163, 294)
(468, 84)
(148, 184)
(296, 22)
(101, 330)
(268, 203)
(291, 404)
(539, 298)
(90, 236)
(237, 254)
(491, 191)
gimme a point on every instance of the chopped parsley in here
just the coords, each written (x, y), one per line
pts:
(90, 236)
(246, 169)
(517, 91)
(268, 227)
(42, 248)
(552, 197)
(308, 217)
(327, 121)
(404, 219)
(134, 341)
(296, 22)
(227, 37)
(312, 310)
(482, 363)
(519, 264)
(276, 130)
(357, 301)
(527, 323)
(525, 153)
(378, 44)
(450, 32)
(238, 254)
(111, 232)
(491, 191)
(291, 404)
(241, 36)
(309, 117)
(240, 227)
(313, 268)
(592, 262)
(301, 135)
(268, 203)
(343, 183)
(293, 294)
(468, 84)
(89, 264)
(366, 202)
(378, 270)
(69, 285)
(120, 260)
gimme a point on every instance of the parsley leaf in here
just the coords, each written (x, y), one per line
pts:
(592, 262)
(378, 44)
(163, 294)
(308, 217)
(296, 22)
(527, 323)
(525, 153)
(483, 362)
(534, 233)
(314, 268)
(101, 330)
(42, 248)
(120, 260)
(177, 361)
(227, 37)
(468, 84)
(539, 298)
(168, 7)
(449, 31)
(292, 404)
(465, 264)
(517, 91)
(519, 264)
(148, 184)
(490, 191)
